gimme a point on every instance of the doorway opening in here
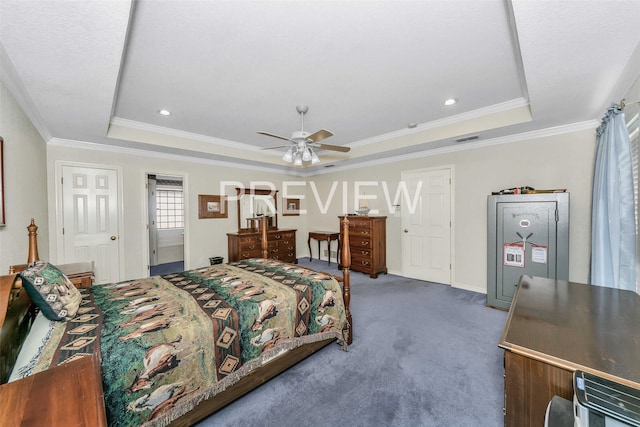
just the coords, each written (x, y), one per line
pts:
(165, 196)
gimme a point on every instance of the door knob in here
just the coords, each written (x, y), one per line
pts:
(113, 237)
(406, 230)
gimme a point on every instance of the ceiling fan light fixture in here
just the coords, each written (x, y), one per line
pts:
(306, 154)
(288, 156)
(302, 141)
(314, 158)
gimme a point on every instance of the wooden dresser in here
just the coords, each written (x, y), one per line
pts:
(368, 244)
(554, 328)
(281, 244)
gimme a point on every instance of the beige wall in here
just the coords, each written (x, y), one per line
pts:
(560, 161)
(25, 188)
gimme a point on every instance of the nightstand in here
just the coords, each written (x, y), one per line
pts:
(80, 273)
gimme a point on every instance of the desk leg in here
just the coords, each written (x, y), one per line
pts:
(328, 250)
(309, 244)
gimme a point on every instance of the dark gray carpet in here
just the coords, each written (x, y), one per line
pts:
(167, 268)
(423, 354)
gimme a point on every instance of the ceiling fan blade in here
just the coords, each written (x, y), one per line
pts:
(320, 135)
(275, 136)
(332, 147)
(277, 146)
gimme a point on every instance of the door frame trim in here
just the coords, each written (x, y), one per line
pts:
(145, 216)
(55, 233)
(452, 232)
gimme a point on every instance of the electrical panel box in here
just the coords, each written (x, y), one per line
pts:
(528, 234)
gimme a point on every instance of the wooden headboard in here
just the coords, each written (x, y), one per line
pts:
(17, 312)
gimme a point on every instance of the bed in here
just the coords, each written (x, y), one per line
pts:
(173, 349)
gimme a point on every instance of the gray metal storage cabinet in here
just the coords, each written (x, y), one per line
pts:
(528, 234)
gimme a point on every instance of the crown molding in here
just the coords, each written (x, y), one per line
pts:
(68, 143)
(451, 120)
(12, 81)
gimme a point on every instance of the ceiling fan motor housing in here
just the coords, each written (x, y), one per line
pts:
(300, 135)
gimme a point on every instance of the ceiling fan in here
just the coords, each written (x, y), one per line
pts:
(302, 143)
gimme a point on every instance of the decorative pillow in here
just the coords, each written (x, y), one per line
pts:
(51, 290)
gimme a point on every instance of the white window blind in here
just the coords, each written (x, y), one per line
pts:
(632, 114)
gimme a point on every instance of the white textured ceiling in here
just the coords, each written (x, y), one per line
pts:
(98, 71)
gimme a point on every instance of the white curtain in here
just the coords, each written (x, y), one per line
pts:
(613, 231)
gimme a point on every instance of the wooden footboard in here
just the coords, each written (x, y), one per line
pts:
(345, 252)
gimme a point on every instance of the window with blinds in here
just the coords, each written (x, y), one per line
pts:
(632, 114)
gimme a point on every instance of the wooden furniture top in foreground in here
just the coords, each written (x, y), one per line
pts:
(70, 395)
(576, 326)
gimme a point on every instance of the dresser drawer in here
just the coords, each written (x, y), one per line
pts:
(286, 257)
(276, 237)
(361, 253)
(249, 240)
(250, 254)
(359, 223)
(362, 264)
(360, 242)
(249, 246)
(359, 231)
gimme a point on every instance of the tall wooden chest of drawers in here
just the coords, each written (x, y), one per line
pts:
(368, 244)
(281, 245)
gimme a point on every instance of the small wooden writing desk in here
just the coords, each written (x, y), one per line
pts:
(555, 327)
(328, 236)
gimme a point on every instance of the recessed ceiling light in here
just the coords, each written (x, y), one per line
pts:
(164, 112)
(450, 101)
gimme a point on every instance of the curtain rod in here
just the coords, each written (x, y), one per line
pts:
(623, 103)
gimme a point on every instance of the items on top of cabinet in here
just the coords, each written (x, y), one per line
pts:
(527, 190)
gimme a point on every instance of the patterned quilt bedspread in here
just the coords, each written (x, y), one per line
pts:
(168, 342)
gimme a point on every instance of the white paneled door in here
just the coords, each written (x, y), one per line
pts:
(90, 219)
(426, 226)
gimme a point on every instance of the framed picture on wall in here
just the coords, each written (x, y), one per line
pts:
(212, 206)
(290, 207)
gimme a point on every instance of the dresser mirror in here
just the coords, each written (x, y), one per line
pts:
(254, 204)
